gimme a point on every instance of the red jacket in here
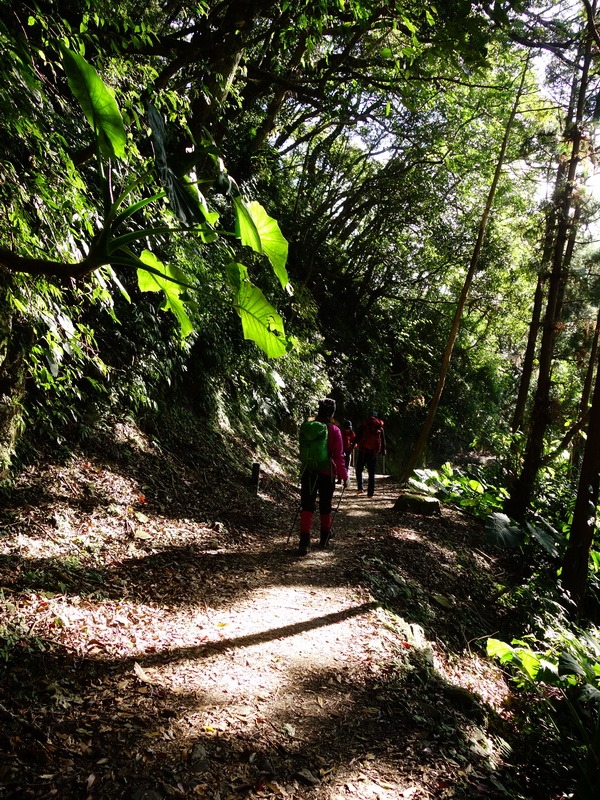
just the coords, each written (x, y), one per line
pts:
(348, 437)
(371, 436)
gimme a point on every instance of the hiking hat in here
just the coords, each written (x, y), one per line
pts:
(326, 407)
(347, 424)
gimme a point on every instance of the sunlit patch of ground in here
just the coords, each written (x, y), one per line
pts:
(481, 676)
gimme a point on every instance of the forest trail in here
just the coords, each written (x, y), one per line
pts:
(158, 654)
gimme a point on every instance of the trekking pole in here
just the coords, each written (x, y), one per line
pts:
(334, 515)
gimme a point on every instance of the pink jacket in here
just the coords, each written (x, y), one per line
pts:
(336, 451)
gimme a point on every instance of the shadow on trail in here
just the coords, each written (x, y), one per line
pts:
(399, 724)
(184, 575)
(272, 634)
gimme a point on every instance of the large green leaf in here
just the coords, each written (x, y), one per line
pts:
(244, 225)
(236, 274)
(274, 244)
(529, 662)
(588, 693)
(97, 102)
(260, 322)
(499, 649)
(261, 232)
(568, 665)
(544, 539)
(161, 279)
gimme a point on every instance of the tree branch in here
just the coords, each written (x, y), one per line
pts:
(49, 267)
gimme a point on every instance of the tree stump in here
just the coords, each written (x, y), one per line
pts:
(418, 504)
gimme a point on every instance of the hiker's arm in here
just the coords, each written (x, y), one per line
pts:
(336, 451)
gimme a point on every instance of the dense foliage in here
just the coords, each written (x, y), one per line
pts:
(358, 183)
(255, 204)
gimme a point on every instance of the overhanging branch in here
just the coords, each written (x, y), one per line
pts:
(49, 267)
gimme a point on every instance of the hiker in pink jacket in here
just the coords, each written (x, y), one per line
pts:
(319, 472)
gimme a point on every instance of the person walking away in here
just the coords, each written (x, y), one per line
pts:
(322, 459)
(348, 437)
(370, 441)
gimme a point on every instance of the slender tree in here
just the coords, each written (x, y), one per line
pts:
(419, 447)
(576, 559)
(528, 358)
(578, 442)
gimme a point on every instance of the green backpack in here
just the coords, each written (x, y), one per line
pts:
(314, 453)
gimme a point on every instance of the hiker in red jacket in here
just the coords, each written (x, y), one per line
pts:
(319, 478)
(348, 437)
(370, 441)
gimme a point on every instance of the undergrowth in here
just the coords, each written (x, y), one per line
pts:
(553, 657)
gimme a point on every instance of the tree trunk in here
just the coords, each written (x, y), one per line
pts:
(522, 490)
(576, 558)
(421, 443)
(578, 442)
(529, 358)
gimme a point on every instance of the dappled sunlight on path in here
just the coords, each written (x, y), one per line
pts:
(239, 669)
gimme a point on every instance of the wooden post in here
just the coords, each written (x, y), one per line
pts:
(254, 481)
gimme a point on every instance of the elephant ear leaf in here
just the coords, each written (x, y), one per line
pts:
(273, 242)
(98, 104)
(159, 277)
(501, 532)
(258, 230)
(260, 322)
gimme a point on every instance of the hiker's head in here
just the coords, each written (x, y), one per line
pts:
(326, 407)
(374, 414)
(347, 425)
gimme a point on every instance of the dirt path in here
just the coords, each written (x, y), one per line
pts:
(299, 688)
(282, 671)
(154, 654)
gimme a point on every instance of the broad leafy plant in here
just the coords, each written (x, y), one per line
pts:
(254, 227)
(571, 664)
(125, 223)
(452, 485)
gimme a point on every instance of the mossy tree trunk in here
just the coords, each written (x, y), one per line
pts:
(577, 554)
(15, 337)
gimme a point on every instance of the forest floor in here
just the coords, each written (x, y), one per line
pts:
(160, 637)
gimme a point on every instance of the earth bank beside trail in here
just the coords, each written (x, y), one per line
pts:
(160, 638)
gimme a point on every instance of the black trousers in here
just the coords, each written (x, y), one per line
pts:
(368, 459)
(313, 483)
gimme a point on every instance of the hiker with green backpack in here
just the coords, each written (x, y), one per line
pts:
(322, 460)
